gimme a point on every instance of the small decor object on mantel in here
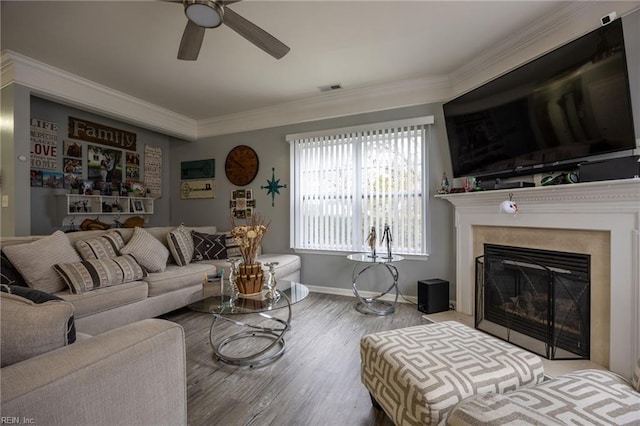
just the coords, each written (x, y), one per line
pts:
(509, 206)
(444, 185)
(250, 278)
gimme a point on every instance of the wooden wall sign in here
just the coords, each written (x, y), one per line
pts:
(198, 169)
(195, 189)
(97, 133)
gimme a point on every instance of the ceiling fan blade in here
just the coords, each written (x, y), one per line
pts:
(191, 42)
(255, 34)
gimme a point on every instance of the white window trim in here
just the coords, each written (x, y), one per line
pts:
(425, 120)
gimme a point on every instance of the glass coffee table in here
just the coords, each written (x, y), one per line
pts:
(223, 311)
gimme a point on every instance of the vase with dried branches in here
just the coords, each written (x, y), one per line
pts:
(250, 278)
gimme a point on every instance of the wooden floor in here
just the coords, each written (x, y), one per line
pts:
(315, 382)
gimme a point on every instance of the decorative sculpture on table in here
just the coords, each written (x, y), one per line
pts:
(372, 241)
(250, 278)
(228, 289)
(386, 236)
(272, 293)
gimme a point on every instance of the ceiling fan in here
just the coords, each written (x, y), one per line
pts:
(203, 14)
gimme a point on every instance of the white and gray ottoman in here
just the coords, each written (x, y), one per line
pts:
(417, 374)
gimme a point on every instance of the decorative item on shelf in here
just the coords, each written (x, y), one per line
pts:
(371, 240)
(250, 278)
(386, 237)
(444, 185)
(272, 292)
(509, 206)
(228, 290)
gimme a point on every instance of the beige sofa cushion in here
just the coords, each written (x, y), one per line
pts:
(103, 299)
(148, 250)
(176, 277)
(28, 329)
(35, 261)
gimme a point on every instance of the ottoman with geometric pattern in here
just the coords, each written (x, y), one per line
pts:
(417, 374)
(587, 397)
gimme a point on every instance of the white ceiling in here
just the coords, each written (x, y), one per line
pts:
(131, 46)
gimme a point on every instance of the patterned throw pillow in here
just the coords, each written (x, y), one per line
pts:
(8, 273)
(233, 249)
(96, 273)
(148, 251)
(35, 261)
(209, 246)
(103, 247)
(181, 245)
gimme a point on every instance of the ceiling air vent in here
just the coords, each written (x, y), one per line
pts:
(330, 87)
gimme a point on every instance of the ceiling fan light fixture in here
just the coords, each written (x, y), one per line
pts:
(204, 13)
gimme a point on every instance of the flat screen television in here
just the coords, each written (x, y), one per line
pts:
(552, 113)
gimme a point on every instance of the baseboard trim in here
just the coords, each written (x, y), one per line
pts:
(349, 293)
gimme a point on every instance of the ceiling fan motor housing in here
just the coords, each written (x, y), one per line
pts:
(204, 13)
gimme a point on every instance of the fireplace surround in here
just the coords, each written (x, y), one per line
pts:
(601, 219)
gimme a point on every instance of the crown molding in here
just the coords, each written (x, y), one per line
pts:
(340, 103)
(61, 86)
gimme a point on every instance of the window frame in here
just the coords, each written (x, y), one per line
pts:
(426, 121)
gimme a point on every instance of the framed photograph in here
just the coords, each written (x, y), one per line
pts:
(52, 179)
(138, 206)
(72, 149)
(36, 178)
(138, 189)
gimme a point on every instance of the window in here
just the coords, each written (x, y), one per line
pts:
(346, 181)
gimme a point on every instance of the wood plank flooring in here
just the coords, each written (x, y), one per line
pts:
(315, 382)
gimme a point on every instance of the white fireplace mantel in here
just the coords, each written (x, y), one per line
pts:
(611, 206)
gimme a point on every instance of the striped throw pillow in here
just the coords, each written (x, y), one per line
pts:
(97, 273)
(180, 244)
(148, 251)
(103, 247)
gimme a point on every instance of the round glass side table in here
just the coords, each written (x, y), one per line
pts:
(373, 305)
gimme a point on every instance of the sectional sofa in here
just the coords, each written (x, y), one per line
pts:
(80, 344)
(115, 299)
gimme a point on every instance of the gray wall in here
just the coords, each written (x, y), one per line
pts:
(47, 204)
(273, 151)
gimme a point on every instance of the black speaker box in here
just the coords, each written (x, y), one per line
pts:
(433, 296)
(614, 168)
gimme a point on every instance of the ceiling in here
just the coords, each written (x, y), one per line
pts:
(131, 46)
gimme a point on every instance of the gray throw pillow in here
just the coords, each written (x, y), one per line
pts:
(35, 261)
(147, 250)
(28, 329)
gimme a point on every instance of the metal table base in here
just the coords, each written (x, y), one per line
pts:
(373, 305)
(259, 357)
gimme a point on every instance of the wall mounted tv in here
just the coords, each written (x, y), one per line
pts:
(552, 113)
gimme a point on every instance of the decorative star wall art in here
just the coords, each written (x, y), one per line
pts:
(273, 186)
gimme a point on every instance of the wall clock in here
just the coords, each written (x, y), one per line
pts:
(241, 165)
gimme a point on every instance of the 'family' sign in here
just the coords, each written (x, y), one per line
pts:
(97, 133)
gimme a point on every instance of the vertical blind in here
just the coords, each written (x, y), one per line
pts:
(346, 181)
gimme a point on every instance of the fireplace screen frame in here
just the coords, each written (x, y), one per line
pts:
(559, 331)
